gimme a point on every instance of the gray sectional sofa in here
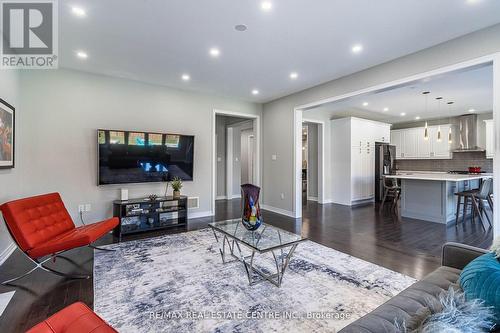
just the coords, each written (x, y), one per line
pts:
(404, 305)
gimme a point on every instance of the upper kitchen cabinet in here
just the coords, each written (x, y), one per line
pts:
(490, 139)
(364, 133)
(411, 143)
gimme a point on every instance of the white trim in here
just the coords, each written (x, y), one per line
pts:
(278, 210)
(196, 215)
(460, 66)
(312, 198)
(221, 197)
(7, 252)
(257, 127)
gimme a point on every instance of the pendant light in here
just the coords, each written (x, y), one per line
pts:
(450, 140)
(426, 130)
(439, 125)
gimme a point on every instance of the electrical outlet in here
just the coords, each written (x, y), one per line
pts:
(81, 208)
(274, 157)
(88, 207)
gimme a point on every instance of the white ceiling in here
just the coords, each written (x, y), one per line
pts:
(471, 89)
(156, 41)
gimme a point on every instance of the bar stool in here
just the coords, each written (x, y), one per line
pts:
(467, 202)
(484, 194)
(391, 190)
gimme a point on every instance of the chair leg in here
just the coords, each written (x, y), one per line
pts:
(383, 201)
(100, 248)
(476, 209)
(483, 209)
(464, 214)
(40, 265)
(458, 210)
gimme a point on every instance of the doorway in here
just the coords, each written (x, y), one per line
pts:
(310, 161)
(236, 154)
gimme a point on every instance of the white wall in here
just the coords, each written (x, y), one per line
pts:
(10, 179)
(56, 139)
(278, 126)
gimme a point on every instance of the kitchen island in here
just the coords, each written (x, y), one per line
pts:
(430, 196)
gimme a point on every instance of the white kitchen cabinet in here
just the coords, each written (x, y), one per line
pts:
(397, 140)
(490, 139)
(411, 144)
(439, 148)
(353, 158)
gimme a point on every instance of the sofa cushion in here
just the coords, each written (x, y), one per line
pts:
(406, 304)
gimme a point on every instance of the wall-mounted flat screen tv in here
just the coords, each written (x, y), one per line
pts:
(143, 157)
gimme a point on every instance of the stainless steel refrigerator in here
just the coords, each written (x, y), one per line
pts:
(384, 165)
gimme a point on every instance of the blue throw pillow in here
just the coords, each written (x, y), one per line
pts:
(480, 279)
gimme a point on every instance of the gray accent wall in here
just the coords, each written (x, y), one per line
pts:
(312, 160)
(278, 124)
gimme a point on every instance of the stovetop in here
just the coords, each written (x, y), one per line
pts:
(461, 172)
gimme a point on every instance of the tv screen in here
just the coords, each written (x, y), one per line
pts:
(142, 157)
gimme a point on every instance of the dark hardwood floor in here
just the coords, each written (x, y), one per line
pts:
(407, 246)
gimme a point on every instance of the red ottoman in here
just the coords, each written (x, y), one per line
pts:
(76, 318)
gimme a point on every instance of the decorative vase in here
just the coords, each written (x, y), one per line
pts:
(251, 217)
(177, 194)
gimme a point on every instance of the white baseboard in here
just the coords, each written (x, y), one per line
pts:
(221, 197)
(312, 198)
(236, 196)
(196, 215)
(278, 210)
(326, 201)
(7, 252)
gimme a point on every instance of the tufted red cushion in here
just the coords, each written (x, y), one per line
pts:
(41, 225)
(36, 220)
(76, 318)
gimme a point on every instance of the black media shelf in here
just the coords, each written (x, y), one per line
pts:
(143, 215)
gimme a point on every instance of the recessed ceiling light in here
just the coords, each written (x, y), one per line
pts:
(78, 11)
(357, 48)
(255, 92)
(266, 6)
(185, 77)
(214, 52)
(386, 109)
(472, 110)
(240, 27)
(365, 103)
(402, 114)
(82, 55)
(417, 118)
(473, 2)
(293, 75)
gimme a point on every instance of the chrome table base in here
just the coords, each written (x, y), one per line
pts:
(281, 260)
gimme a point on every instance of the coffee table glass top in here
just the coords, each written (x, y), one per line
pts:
(264, 239)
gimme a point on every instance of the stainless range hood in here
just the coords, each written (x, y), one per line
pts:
(467, 134)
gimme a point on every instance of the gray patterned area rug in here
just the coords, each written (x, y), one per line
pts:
(177, 283)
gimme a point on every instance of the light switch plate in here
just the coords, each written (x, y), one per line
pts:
(219, 159)
(274, 157)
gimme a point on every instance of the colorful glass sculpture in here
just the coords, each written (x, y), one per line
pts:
(251, 218)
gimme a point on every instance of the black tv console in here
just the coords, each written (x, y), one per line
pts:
(142, 215)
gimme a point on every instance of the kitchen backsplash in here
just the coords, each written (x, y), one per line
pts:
(460, 161)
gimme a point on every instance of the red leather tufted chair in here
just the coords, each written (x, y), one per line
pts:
(76, 318)
(41, 226)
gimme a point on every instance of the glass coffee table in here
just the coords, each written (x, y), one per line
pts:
(279, 242)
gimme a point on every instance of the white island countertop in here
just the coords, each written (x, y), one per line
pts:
(437, 176)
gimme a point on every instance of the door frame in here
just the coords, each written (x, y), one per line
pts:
(321, 158)
(258, 134)
(491, 59)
